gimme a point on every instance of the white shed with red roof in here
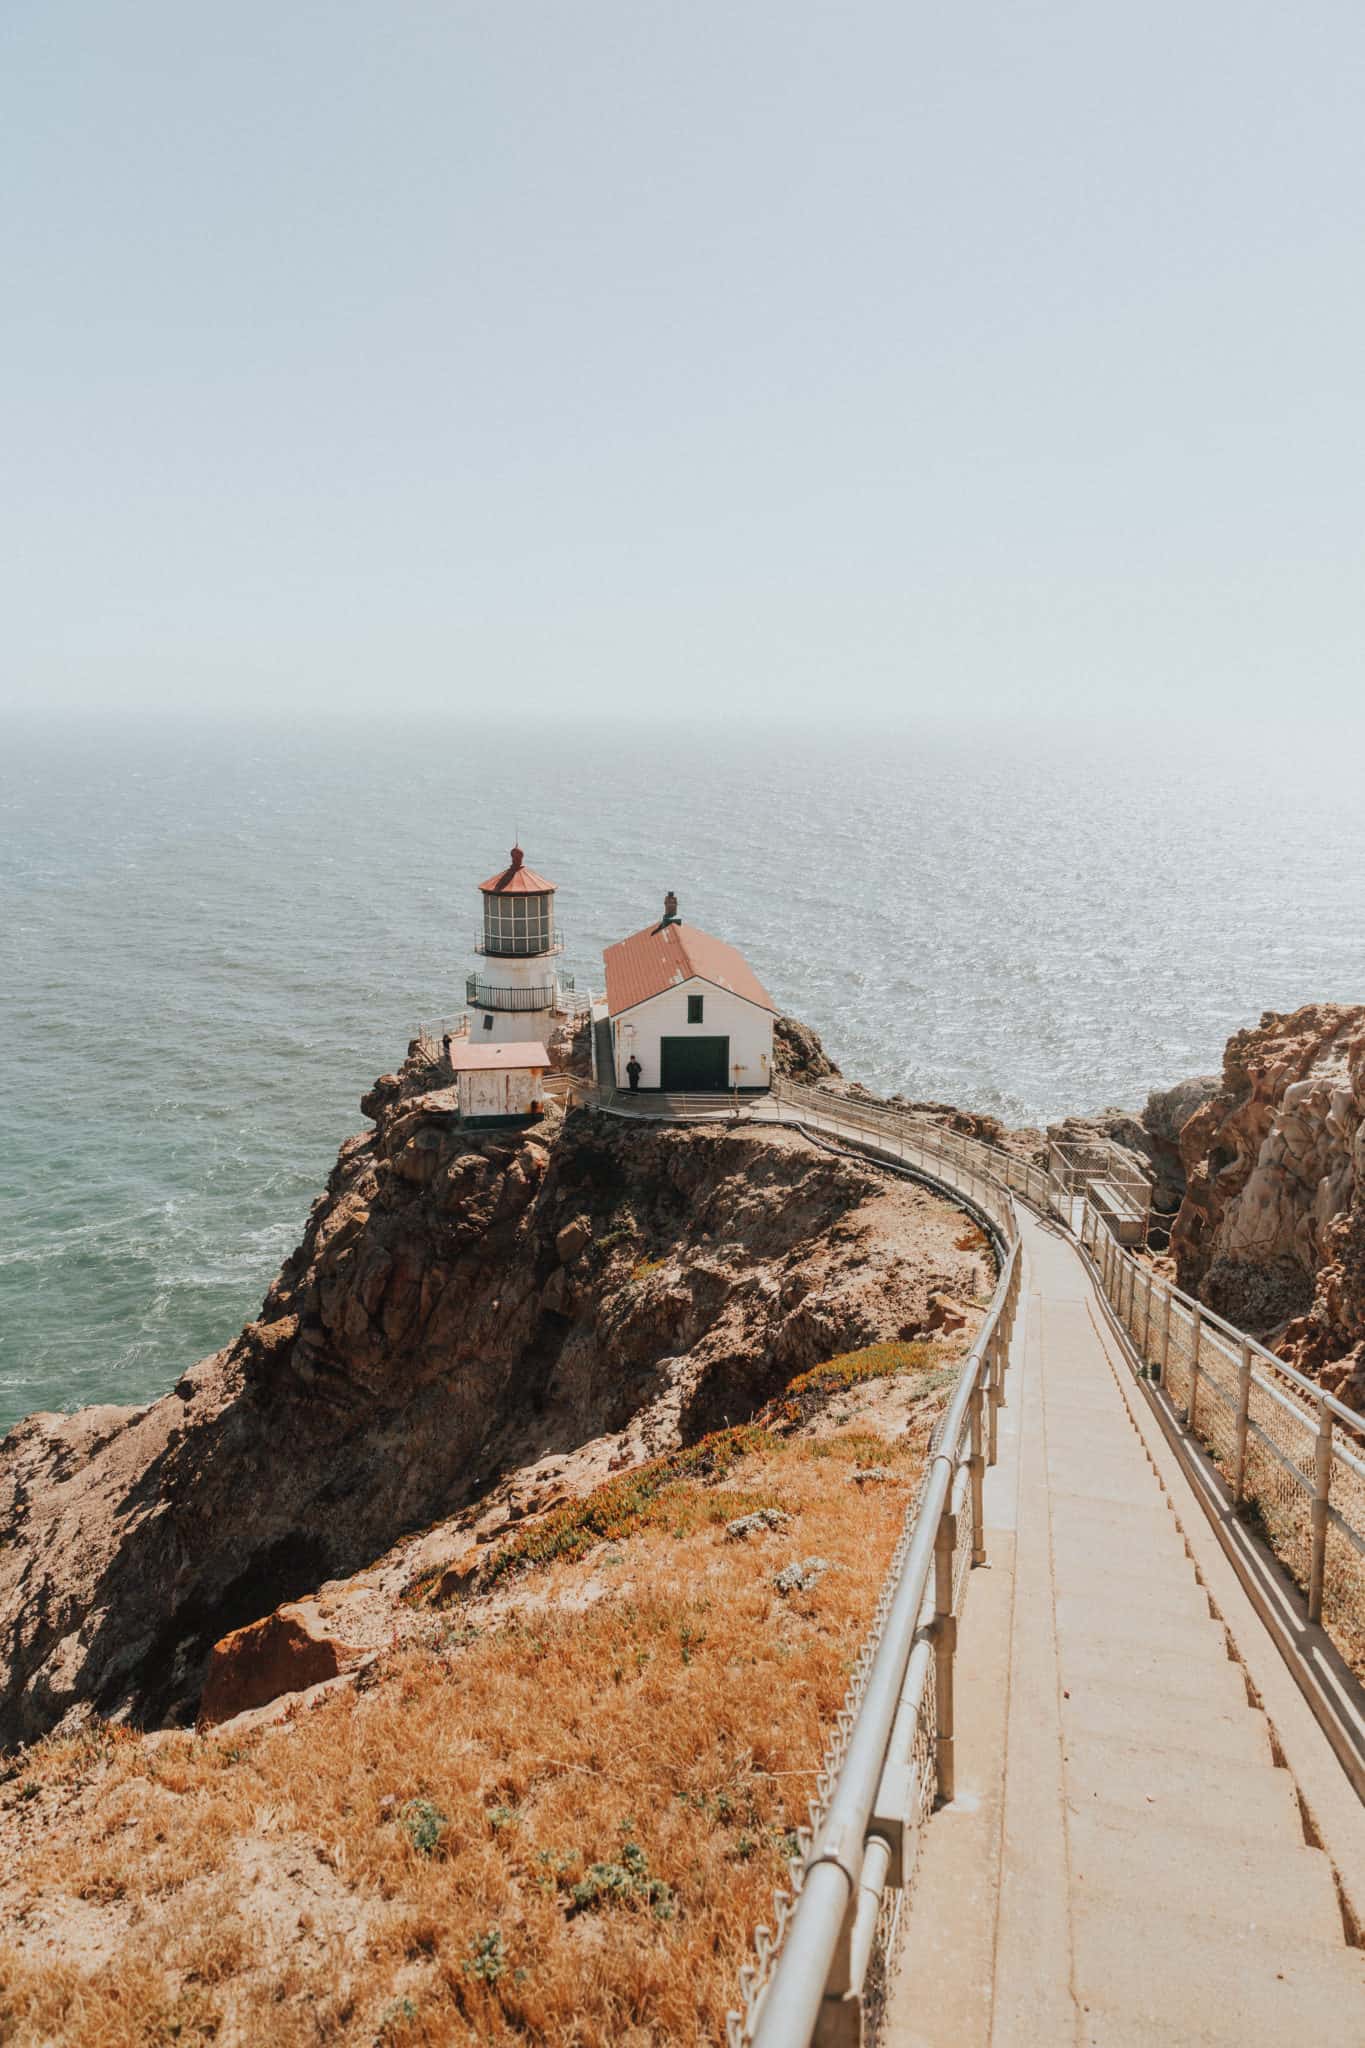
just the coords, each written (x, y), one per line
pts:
(498, 1083)
(687, 1008)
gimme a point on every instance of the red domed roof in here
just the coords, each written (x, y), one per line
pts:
(517, 879)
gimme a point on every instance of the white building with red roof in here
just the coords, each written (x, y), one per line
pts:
(514, 991)
(499, 1083)
(685, 1007)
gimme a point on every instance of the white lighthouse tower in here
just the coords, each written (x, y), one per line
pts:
(514, 992)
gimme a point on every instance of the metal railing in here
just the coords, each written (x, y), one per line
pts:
(652, 1104)
(486, 995)
(430, 1037)
(1100, 1169)
(820, 1968)
(1292, 1457)
(1291, 1452)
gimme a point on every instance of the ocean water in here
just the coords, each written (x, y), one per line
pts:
(213, 937)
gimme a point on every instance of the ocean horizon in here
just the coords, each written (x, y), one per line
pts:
(216, 934)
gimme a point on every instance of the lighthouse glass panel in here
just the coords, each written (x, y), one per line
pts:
(518, 924)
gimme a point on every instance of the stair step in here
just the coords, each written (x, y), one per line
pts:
(1087, 1619)
(1202, 1730)
(1086, 1510)
(1171, 1591)
(1119, 1856)
(1168, 1679)
(1213, 1981)
(1100, 1490)
(1172, 1785)
(1065, 1451)
(1120, 1553)
(1075, 1406)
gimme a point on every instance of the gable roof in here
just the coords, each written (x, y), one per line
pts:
(467, 1057)
(665, 955)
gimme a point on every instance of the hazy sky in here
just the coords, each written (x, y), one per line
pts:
(886, 359)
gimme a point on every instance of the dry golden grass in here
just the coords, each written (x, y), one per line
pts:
(553, 1825)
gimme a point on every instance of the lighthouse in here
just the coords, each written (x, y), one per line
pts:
(514, 992)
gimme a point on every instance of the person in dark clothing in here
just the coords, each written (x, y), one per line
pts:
(633, 1072)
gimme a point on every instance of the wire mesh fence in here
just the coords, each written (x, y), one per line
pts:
(1293, 1461)
(1292, 1458)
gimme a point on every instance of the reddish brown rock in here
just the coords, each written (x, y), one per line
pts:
(287, 1651)
(798, 1054)
(1271, 1232)
(416, 1346)
(945, 1315)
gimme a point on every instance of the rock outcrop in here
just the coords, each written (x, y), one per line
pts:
(798, 1054)
(1271, 1231)
(461, 1304)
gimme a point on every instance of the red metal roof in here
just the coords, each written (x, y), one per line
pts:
(516, 879)
(663, 956)
(467, 1057)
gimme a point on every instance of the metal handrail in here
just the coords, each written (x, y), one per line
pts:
(888, 1769)
(861, 1849)
(1006, 1166)
(887, 1777)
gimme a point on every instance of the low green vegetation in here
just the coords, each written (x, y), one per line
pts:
(809, 1391)
(424, 1825)
(662, 1492)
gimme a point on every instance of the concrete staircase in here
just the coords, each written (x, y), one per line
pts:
(1126, 1861)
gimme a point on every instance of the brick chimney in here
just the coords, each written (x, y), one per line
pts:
(670, 908)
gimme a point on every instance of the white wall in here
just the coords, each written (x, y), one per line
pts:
(506, 1091)
(748, 1028)
(511, 1027)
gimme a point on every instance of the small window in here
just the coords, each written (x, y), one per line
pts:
(488, 1023)
(694, 1004)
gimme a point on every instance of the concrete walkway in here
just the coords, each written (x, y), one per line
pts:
(1126, 1860)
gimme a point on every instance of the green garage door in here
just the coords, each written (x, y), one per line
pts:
(688, 1064)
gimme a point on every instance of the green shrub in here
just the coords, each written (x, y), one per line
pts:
(487, 1958)
(626, 1883)
(424, 1825)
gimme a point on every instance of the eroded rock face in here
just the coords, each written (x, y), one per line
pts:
(1271, 1232)
(460, 1304)
(798, 1054)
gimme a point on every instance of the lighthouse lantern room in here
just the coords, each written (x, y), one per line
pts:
(514, 992)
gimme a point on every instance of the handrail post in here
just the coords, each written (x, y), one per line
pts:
(999, 1343)
(977, 1468)
(1196, 1339)
(945, 1647)
(1146, 1316)
(1243, 1419)
(1322, 1487)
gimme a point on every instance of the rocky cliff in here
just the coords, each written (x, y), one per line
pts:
(460, 1304)
(1271, 1231)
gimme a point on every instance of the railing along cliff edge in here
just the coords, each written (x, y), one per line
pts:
(818, 1971)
